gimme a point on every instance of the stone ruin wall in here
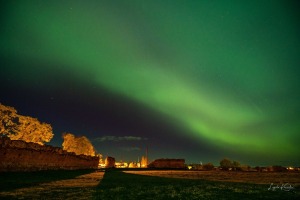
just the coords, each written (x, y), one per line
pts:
(17, 155)
(110, 162)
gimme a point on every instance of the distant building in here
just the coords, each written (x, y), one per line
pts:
(121, 164)
(168, 163)
(110, 162)
(132, 165)
(144, 162)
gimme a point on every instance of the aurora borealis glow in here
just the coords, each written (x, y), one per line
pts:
(200, 80)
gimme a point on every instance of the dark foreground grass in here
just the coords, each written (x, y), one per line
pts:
(14, 180)
(119, 185)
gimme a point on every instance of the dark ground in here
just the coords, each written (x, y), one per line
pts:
(119, 185)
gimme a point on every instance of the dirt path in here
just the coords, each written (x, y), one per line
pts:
(81, 187)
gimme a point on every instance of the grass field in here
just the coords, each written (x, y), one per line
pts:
(77, 184)
(292, 178)
(121, 185)
(116, 184)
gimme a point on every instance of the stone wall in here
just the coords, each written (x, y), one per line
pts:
(17, 155)
(168, 163)
(110, 162)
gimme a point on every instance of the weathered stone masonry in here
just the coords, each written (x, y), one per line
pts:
(17, 155)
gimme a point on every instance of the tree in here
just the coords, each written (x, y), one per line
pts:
(78, 145)
(19, 127)
(9, 120)
(208, 166)
(236, 165)
(225, 164)
(100, 158)
(278, 168)
(245, 167)
(258, 168)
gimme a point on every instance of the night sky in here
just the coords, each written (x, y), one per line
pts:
(200, 80)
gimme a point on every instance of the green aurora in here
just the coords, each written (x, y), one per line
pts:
(225, 71)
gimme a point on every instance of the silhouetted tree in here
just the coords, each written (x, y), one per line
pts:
(236, 165)
(225, 164)
(208, 166)
(19, 127)
(245, 168)
(258, 168)
(278, 168)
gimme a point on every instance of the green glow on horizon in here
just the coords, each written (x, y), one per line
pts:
(218, 82)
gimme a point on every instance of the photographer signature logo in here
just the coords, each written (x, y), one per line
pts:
(283, 187)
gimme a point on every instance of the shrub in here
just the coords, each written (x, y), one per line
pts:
(225, 164)
(208, 166)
